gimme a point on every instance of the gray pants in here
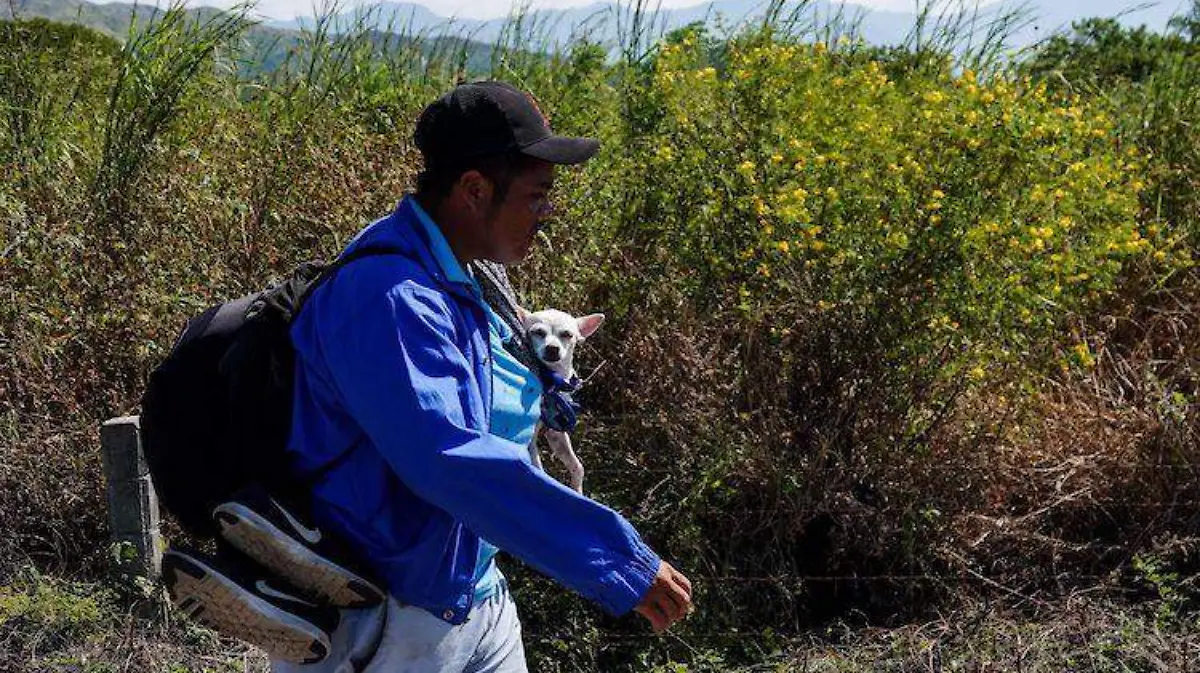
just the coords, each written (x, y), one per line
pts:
(395, 638)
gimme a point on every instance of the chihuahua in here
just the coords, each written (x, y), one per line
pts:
(554, 336)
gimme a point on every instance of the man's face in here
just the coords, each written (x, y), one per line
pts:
(510, 227)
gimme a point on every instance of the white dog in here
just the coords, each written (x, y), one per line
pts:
(554, 336)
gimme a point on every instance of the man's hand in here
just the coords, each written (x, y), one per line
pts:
(668, 600)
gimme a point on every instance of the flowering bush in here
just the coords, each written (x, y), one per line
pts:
(956, 212)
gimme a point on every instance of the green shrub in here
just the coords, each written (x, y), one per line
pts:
(43, 613)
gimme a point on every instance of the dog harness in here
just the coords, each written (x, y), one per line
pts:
(560, 411)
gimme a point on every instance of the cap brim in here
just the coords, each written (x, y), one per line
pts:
(562, 149)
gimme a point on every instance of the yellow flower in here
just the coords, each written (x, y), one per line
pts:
(1084, 354)
(938, 194)
(783, 246)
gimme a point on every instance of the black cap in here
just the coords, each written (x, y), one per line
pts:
(490, 118)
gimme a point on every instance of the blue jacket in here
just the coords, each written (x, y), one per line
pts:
(392, 393)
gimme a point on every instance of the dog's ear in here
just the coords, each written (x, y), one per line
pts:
(523, 315)
(588, 324)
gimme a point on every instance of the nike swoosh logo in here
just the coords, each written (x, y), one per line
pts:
(266, 590)
(310, 535)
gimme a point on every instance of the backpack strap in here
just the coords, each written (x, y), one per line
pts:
(337, 264)
(325, 274)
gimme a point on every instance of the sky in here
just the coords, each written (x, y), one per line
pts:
(487, 9)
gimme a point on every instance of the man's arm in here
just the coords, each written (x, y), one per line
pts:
(409, 386)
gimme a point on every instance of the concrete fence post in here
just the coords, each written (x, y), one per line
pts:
(132, 504)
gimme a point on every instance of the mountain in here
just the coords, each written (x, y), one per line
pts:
(110, 19)
(268, 45)
(602, 21)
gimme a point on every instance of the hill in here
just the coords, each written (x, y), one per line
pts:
(603, 21)
(268, 44)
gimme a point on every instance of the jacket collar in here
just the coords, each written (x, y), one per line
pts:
(438, 245)
(405, 230)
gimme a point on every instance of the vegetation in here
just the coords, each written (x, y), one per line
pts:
(897, 337)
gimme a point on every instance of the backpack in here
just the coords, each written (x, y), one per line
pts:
(217, 412)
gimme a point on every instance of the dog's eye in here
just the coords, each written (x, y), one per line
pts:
(538, 332)
(565, 336)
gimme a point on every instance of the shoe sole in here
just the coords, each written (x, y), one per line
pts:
(210, 598)
(322, 579)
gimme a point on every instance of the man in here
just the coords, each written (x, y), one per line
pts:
(396, 387)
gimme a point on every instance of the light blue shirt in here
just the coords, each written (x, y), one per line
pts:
(516, 407)
(516, 392)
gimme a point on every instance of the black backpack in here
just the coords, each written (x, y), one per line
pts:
(217, 412)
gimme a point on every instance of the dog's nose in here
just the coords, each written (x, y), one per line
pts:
(551, 354)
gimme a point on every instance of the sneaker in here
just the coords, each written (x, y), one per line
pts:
(232, 599)
(274, 536)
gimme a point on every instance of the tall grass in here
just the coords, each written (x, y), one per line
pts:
(157, 66)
